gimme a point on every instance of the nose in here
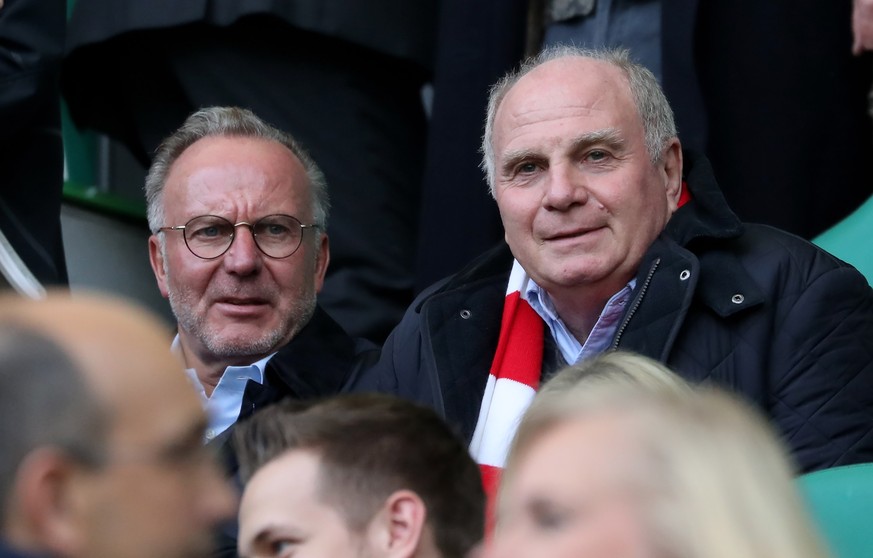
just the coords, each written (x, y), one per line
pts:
(243, 257)
(565, 187)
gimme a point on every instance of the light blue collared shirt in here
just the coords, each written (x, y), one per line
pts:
(223, 407)
(601, 335)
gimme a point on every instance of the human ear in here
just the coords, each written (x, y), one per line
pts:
(44, 497)
(156, 258)
(397, 529)
(671, 166)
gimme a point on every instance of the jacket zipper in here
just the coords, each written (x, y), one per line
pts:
(637, 303)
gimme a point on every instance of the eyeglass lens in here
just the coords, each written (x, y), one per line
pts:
(210, 236)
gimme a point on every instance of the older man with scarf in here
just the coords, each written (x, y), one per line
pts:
(616, 239)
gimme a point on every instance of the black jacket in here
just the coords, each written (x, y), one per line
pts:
(761, 312)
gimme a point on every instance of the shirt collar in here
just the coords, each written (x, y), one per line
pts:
(255, 370)
(601, 334)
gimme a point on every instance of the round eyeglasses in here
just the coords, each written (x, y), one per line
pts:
(210, 236)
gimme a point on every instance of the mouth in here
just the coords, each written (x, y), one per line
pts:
(242, 301)
(241, 305)
(569, 235)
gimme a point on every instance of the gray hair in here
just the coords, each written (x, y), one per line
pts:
(227, 121)
(44, 402)
(649, 98)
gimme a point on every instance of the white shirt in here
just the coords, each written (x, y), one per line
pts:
(223, 406)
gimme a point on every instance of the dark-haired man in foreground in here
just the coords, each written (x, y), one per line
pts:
(357, 476)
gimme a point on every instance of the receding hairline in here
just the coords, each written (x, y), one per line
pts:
(299, 182)
(230, 122)
(645, 93)
(618, 74)
(611, 68)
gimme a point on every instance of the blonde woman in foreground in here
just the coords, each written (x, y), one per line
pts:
(619, 458)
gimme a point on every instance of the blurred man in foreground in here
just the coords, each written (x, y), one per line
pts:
(101, 435)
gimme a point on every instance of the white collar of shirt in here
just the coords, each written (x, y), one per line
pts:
(601, 335)
(223, 407)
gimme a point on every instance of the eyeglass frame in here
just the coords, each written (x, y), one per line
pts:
(251, 227)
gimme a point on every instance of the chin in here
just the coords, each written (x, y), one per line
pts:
(577, 276)
(244, 345)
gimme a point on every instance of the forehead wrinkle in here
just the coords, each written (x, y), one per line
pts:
(533, 112)
(235, 183)
(254, 198)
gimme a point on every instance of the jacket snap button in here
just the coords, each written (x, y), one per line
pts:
(465, 314)
(684, 275)
(738, 299)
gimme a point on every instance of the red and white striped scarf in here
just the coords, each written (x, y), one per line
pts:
(512, 383)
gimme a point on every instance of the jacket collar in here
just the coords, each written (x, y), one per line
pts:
(693, 259)
(702, 227)
(316, 362)
(708, 214)
(495, 263)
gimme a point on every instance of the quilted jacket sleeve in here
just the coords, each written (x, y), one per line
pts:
(821, 375)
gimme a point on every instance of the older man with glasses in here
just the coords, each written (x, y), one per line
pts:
(238, 212)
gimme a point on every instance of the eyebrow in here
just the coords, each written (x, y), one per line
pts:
(513, 158)
(610, 137)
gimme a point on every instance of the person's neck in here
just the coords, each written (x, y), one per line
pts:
(580, 307)
(208, 367)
